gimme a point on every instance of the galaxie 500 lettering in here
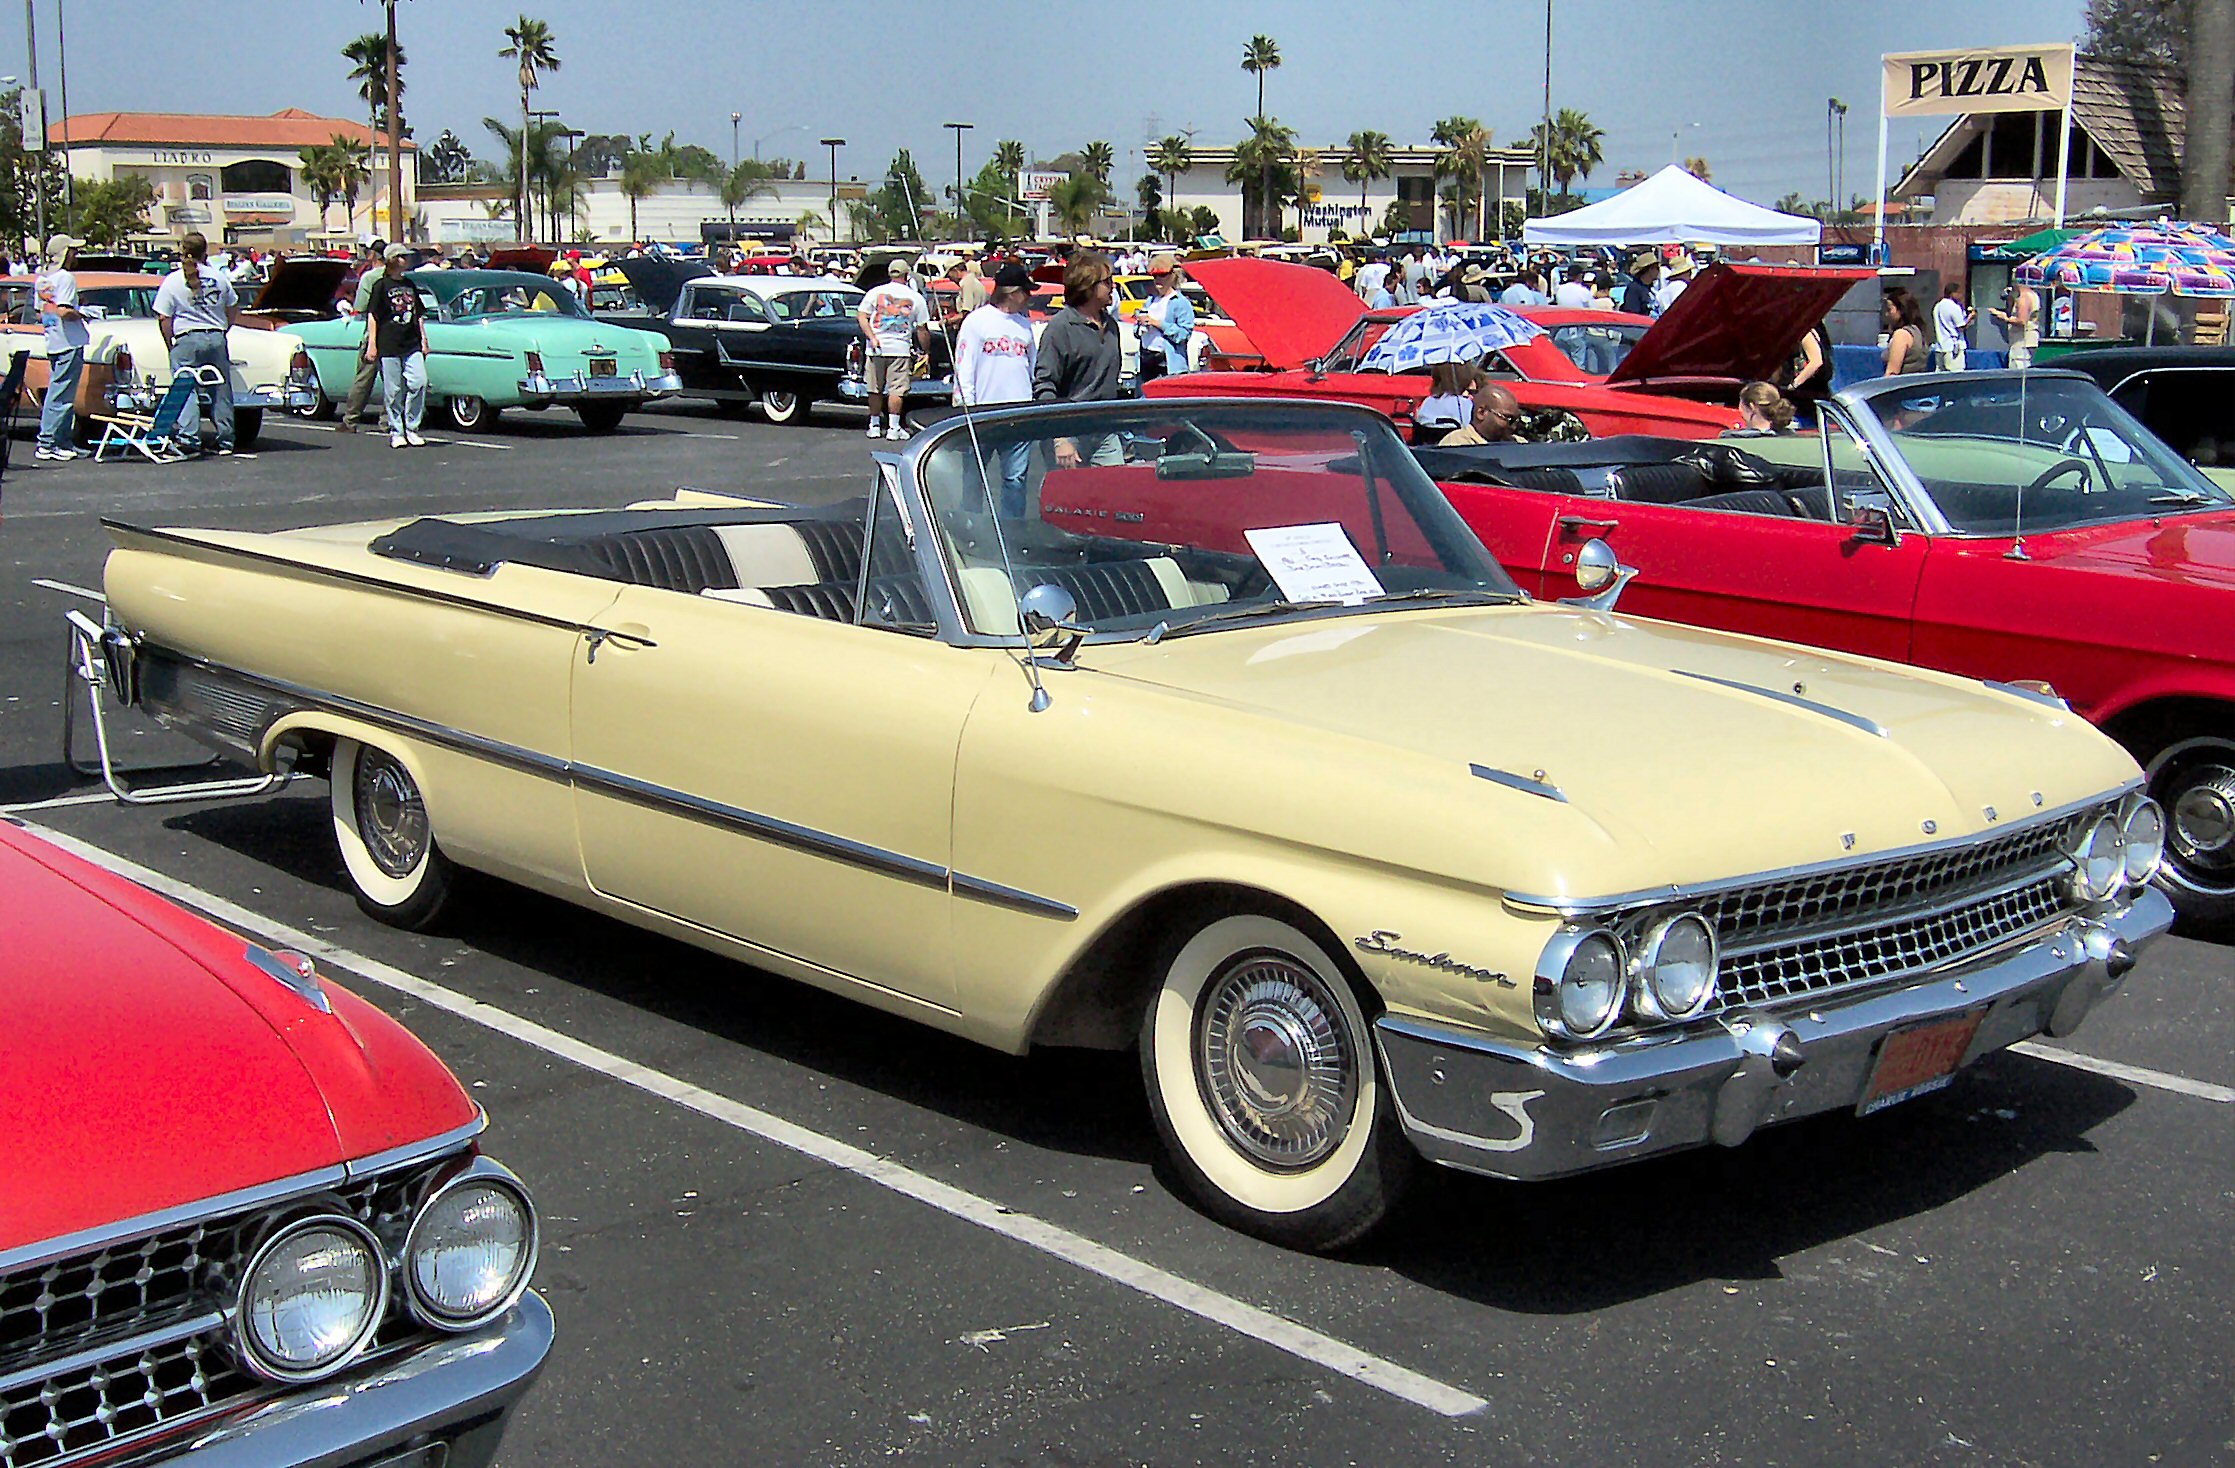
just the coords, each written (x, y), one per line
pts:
(1384, 942)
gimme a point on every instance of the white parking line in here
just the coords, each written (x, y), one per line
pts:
(1051, 1239)
(468, 443)
(67, 589)
(2182, 1085)
(89, 797)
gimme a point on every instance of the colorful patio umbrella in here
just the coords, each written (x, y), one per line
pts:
(2140, 260)
(1450, 331)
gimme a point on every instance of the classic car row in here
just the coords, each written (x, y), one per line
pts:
(1206, 728)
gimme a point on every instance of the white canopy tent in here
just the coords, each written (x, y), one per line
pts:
(1671, 208)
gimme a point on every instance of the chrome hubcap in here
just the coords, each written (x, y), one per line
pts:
(1275, 1062)
(778, 402)
(2204, 816)
(391, 818)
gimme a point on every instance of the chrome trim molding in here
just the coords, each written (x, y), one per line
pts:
(414, 1152)
(643, 792)
(94, 1355)
(1678, 891)
(1522, 783)
(1851, 720)
(2035, 695)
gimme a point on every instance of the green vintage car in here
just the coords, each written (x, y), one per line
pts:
(501, 339)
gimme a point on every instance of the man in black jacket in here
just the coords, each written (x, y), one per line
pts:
(1082, 355)
(1645, 274)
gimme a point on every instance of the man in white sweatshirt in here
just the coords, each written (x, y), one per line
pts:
(993, 365)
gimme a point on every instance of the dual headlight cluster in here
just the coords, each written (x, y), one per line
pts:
(2116, 852)
(314, 1293)
(1588, 975)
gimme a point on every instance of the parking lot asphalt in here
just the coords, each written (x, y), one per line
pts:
(781, 1228)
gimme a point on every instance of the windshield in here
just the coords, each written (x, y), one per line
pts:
(1191, 515)
(2012, 453)
(113, 300)
(512, 295)
(1361, 338)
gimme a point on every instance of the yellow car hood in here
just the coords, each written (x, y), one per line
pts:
(1696, 755)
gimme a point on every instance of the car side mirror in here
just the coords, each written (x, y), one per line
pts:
(1048, 614)
(1600, 576)
(1873, 518)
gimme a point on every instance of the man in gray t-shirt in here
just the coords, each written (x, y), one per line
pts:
(193, 309)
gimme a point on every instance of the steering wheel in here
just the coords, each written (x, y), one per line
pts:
(2057, 471)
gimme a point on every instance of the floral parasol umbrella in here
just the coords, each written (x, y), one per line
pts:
(1449, 331)
(2167, 258)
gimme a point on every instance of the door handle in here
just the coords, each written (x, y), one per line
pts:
(1577, 524)
(594, 638)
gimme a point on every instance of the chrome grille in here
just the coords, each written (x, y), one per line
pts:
(111, 1341)
(85, 1406)
(1802, 937)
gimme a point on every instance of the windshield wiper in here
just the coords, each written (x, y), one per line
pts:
(1473, 596)
(2186, 497)
(1462, 595)
(1251, 612)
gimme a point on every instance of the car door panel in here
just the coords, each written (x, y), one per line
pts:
(1519, 526)
(804, 809)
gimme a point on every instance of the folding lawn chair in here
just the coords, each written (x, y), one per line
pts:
(11, 393)
(156, 434)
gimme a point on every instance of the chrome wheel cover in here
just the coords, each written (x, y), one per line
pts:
(2195, 782)
(780, 404)
(391, 816)
(1274, 1060)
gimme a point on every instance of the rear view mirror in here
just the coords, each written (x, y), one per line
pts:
(1873, 518)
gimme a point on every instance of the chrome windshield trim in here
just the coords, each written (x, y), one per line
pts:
(318, 1179)
(643, 792)
(1680, 891)
(1522, 783)
(94, 1355)
(1851, 720)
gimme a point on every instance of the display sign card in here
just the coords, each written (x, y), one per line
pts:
(1314, 563)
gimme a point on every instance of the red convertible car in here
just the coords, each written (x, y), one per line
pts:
(1735, 324)
(243, 1217)
(2007, 526)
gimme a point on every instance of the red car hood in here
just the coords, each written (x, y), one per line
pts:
(1738, 323)
(1290, 313)
(147, 1065)
(2196, 549)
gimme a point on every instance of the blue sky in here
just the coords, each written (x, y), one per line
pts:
(1740, 82)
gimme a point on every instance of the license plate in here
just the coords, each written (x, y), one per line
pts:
(603, 367)
(1918, 1061)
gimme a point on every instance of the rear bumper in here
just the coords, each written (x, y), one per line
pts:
(929, 390)
(538, 390)
(273, 397)
(1516, 1111)
(457, 1392)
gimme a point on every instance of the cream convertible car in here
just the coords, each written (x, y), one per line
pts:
(1208, 728)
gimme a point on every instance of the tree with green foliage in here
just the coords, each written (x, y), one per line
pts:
(2138, 32)
(530, 44)
(1465, 160)
(1074, 201)
(368, 58)
(320, 172)
(1099, 158)
(353, 166)
(989, 203)
(1202, 220)
(1265, 165)
(900, 201)
(1172, 157)
(445, 160)
(1149, 190)
(642, 173)
(1008, 156)
(1260, 55)
(545, 154)
(1367, 160)
(112, 210)
(1577, 147)
(1396, 219)
(24, 174)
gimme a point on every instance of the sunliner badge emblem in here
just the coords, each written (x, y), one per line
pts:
(1382, 941)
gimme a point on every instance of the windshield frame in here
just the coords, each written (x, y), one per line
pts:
(940, 561)
(1884, 447)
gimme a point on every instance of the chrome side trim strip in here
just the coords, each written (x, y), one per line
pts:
(1521, 783)
(94, 1355)
(643, 792)
(1678, 891)
(1851, 720)
(453, 1140)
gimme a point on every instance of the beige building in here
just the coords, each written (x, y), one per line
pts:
(236, 179)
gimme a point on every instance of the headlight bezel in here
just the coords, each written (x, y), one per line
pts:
(2097, 851)
(251, 1352)
(2138, 807)
(1553, 966)
(1646, 998)
(479, 1172)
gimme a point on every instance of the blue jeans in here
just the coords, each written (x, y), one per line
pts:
(403, 380)
(1013, 459)
(206, 349)
(58, 414)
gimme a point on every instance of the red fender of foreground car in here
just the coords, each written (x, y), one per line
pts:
(1735, 324)
(242, 1212)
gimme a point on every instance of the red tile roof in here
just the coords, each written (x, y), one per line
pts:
(290, 128)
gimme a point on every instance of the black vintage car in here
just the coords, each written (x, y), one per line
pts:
(779, 340)
(2184, 395)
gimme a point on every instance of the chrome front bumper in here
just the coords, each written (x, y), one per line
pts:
(1516, 1111)
(456, 1391)
(538, 390)
(930, 389)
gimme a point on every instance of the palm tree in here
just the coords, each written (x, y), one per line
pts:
(1074, 200)
(748, 180)
(808, 222)
(446, 158)
(642, 173)
(1261, 55)
(1261, 160)
(1697, 167)
(1172, 157)
(1464, 160)
(369, 53)
(318, 170)
(1574, 148)
(1008, 156)
(531, 47)
(1367, 160)
(352, 167)
(1098, 159)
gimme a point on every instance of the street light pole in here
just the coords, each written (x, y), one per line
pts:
(734, 119)
(834, 144)
(39, 170)
(958, 128)
(550, 203)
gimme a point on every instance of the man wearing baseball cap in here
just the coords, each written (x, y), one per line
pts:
(66, 340)
(994, 358)
(895, 321)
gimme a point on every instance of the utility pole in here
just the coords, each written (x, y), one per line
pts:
(395, 138)
(834, 144)
(38, 172)
(1544, 149)
(734, 119)
(959, 128)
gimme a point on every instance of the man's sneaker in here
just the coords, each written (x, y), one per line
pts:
(876, 429)
(397, 441)
(345, 426)
(64, 452)
(225, 451)
(896, 432)
(414, 439)
(44, 452)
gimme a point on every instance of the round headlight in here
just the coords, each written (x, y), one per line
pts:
(2098, 861)
(311, 1298)
(1676, 968)
(471, 1248)
(2142, 833)
(1579, 983)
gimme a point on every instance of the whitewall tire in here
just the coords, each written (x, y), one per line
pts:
(1262, 1079)
(387, 841)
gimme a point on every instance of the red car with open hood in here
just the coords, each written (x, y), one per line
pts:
(243, 1215)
